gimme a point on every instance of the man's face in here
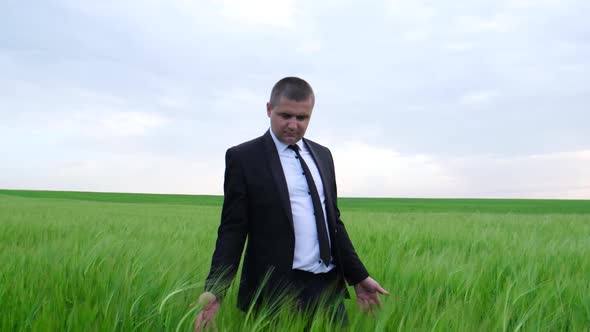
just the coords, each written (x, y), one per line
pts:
(289, 119)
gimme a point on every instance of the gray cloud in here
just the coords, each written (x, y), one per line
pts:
(95, 83)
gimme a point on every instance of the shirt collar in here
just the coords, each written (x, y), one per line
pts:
(281, 147)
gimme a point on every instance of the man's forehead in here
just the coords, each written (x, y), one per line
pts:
(286, 100)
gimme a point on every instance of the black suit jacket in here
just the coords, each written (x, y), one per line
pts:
(256, 207)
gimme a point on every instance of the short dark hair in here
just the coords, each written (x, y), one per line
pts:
(293, 88)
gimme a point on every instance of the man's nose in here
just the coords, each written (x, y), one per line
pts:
(292, 124)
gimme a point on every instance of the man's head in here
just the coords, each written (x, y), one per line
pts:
(289, 109)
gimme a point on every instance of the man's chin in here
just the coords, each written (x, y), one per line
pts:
(289, 139)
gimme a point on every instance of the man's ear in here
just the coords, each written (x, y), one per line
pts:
(268, 109)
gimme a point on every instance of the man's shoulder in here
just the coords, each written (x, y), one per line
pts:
(248, 146)
(317, 146)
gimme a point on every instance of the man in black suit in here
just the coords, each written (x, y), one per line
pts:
(280, 194)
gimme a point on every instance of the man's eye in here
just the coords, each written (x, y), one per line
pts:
(301, 118)
(285, 116)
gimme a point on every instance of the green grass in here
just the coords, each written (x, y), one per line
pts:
(73, 261)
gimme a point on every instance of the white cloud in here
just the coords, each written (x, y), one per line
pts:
(478, 98)
(459, 46)
(78, 111)
(130, 123)
(170, 77)
(240, 97)
(413, 20)
(528, 3)
(309, 47)
(550, 175)
(364, 170)
(103, 123)
(278, 13)
(497, 23)
(128, 173)
(418, 11)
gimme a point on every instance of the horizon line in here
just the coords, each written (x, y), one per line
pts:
(353, 197)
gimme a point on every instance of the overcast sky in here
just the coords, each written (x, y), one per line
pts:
(414, 98)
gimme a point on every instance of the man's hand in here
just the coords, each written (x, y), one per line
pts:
(366, 295)
(206, 317)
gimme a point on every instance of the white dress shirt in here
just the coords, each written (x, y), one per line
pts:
(307, 247)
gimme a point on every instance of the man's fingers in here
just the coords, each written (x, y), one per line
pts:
(367, 306)
(380, 290)
(378, 300)
(203, 320)
(371, 310)
(199, 322)
(206, 317)
(363, 305)
(370, 302)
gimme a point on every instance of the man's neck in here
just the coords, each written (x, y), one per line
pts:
(280, 145)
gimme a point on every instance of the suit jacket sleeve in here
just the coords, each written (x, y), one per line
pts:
(232, 232)
(352, 267)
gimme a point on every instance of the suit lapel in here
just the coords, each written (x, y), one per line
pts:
(324, 173)
(278, 175)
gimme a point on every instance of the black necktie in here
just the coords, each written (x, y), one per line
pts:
(317, 209)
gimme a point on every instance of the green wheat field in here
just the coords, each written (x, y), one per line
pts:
(73, 261)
